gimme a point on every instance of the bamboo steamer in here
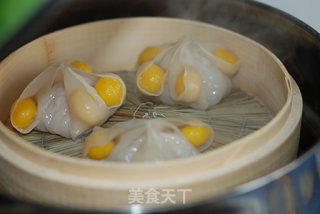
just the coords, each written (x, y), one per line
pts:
(31, 173)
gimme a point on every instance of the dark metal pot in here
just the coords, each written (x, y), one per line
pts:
(294, 188)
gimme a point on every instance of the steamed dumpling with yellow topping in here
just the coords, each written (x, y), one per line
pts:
(154, 140)
(186, 73)
(67, 99)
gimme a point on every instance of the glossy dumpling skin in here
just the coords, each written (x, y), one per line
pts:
(154, 140)
(65, 100)
(186, 73)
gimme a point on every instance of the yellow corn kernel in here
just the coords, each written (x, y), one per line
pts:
(110, 90)
(24, 112)
(180, 87)
(82, 66)
(151, 79)
(148, 54)
(226, 55)
(100, 152)
(196, 135)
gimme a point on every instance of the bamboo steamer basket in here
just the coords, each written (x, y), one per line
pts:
(32, 173)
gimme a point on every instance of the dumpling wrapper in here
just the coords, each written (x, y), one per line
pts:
(190, 54)
(143, 140)
(52, 88)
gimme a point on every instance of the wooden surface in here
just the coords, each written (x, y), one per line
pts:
(30, 172)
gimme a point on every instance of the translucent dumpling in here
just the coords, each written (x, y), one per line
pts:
(186, 73)
(141, 140)
(68, 100)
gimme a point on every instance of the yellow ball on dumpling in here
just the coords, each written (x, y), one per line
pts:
(196, 135)
(148, 54)
(82, 107)
(151, 79)
(226, 55)
(82, 66)
(180, 86)
(190, 82)
(100, 152)
(110, 90)
(24, 112)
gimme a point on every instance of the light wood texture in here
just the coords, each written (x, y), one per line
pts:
(32, 173)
